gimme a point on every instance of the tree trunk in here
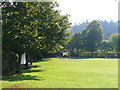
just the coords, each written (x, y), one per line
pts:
(30, 58)
(30, 61)
(93, 54)
(26, 65)
(18, 63)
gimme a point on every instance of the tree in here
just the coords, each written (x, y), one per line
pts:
(114, 40)
(104, 46)
(108, 28)
(92, 36)
(75, 44)
(32, 27)
(19, 29)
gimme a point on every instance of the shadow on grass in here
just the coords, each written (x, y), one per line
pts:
(24, 77)
(21, 77)
(43, 60)
(31, 71)
(77, 58)
(35, 66)
(80, 58)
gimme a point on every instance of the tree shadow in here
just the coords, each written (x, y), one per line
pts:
(21, 77)
(24, 77)
(43, 60)
(79, 58)
(35, 66)
(30, 71)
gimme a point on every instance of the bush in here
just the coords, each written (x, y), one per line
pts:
(9, 63)
(100, 54)
(107, 54)
(85, 54)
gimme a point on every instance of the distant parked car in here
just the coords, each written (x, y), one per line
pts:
(66, 54)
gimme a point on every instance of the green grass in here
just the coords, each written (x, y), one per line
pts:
(67, 73)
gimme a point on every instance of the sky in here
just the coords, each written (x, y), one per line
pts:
(82, 10)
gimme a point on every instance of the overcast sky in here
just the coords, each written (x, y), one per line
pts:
(82, 10)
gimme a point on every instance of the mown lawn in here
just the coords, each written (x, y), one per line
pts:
(67, 73)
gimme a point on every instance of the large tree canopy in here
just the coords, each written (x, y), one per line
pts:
(32, 27)
(92, 36)
(88, 40)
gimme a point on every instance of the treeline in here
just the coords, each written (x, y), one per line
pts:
(108, 28)
(90, 43)
(34, 28)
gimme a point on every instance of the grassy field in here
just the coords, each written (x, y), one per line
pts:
(67, 73)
